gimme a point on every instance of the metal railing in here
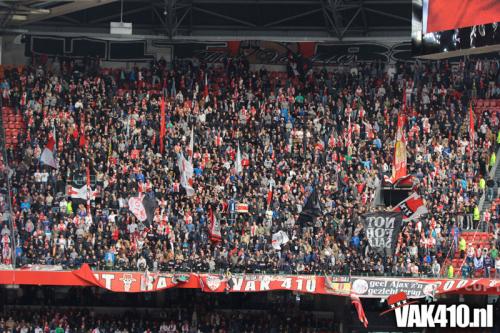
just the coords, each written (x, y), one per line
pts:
(491, 174)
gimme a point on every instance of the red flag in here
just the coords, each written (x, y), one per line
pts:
(359, 309)
(471, 128)
(241, 208)
(51, 142)
(82, 141)
(451, 14)
(162, 125)
(269, 196)
(412, 207)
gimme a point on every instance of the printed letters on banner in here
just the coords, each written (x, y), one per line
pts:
(382, 229)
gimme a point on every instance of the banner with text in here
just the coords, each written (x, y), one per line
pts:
(382, 230)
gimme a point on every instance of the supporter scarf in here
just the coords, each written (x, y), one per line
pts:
(214, 228)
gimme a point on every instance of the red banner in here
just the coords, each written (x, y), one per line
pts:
(149, 282)
(481, 286)
(452, 14)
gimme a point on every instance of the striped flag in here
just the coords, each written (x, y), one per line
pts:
(47, 156)
(269, 195)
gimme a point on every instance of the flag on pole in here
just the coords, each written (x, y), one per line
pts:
(403, 106)
(81, 193)
(214, 229)
(186, 172)
(191, 145)
(239, 166)
(356, 301)
(399, 163)
(471, 128)
(312, 209)
(241, 207)
(136, 206)
(47, 156)
(279, 238)
(269, 195)
(412, 207)
(82, 140)
(88, 187)
(349, 131)
(205, 90)
(162, 125)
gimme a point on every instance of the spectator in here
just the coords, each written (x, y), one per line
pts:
(466, 271)
(462, 247)
(293, 133)
(490, 183)
(451, 272)
(497, 268)
(488, 264)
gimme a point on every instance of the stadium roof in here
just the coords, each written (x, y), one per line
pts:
(299, 20)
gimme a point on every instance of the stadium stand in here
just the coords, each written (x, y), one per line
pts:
(263, 140)
(169, 321)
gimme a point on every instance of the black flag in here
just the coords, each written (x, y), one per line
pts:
(382, 230)
(150, 204)
(312, 209)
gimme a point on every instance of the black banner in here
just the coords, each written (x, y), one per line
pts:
(80, 47)
(277, 53)
(382, 229)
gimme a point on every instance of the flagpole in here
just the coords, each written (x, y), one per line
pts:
(471, 129)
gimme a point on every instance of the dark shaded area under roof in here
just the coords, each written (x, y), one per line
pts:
(219, 19)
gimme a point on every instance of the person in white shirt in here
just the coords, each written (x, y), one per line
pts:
(497, 268)
(163, 327)
(171, 328)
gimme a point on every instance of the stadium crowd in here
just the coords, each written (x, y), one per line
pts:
(308, 130)
(171, 321)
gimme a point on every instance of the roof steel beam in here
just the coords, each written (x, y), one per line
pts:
(67, 9)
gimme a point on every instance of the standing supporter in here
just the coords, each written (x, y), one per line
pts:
(263, 140)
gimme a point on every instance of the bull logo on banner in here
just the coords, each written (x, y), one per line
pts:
(127, 280)
(382, 229)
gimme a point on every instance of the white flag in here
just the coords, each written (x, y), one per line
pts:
(47, 156)
(279, 238)
(81, 193)
(239, 166)
(186, 170)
